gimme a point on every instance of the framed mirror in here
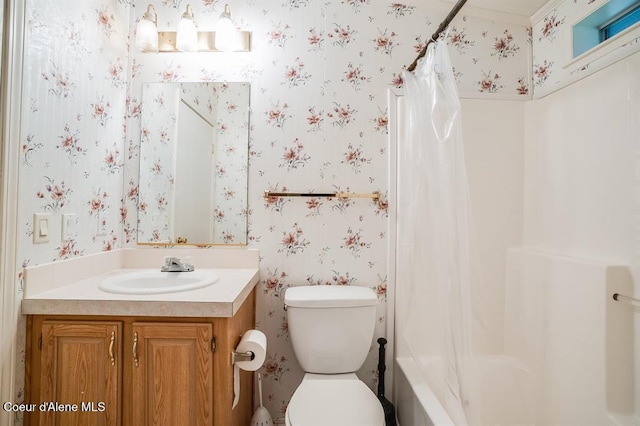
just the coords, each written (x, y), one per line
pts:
(194, 152)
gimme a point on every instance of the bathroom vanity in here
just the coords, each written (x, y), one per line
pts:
(98, 358)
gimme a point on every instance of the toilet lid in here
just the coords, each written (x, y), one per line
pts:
(335, 403)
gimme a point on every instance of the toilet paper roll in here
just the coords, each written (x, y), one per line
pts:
(256, 342)
(252, 341)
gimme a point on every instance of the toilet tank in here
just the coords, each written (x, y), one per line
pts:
(331, 327)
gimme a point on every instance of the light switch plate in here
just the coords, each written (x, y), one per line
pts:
(160, 221)
(41, 227)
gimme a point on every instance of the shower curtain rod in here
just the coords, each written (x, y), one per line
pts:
(443, 26)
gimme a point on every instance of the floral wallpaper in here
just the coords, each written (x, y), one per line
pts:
(73, 124)
(490, 58)
(226, 107)
(73, 127)
(232, 163)
(158, 140)
(319, 75)
(552, 44)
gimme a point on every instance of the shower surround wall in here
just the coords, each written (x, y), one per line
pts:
(319, 75)
(581, 209)
(582, 163)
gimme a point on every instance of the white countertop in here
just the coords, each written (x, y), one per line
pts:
(221, 299)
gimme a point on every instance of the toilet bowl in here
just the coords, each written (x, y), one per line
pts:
(331, 330)
(334, 400)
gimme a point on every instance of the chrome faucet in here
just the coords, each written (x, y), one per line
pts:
(173, 264)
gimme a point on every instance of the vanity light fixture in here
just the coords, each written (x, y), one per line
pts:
(147, 31)
(187, 38)
(187, 34)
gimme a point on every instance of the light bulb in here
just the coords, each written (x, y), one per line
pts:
(147, 32)
(228, 39)
(187, 37)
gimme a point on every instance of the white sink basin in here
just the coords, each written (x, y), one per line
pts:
(151, 281)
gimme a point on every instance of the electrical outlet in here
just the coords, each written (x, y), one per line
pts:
(102, 223)
(41, 228)
(69, 226)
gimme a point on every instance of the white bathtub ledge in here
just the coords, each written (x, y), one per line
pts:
(434, 411)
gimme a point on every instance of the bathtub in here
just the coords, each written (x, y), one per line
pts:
(569, 357)
(565, 352)
(505, 391)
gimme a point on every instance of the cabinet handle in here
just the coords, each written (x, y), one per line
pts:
(112, 357)
(135, 348)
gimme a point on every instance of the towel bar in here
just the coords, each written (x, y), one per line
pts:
(374, 195)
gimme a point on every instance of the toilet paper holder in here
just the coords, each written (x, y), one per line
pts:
(242, 356)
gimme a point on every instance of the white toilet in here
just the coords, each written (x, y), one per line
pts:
(331, 329)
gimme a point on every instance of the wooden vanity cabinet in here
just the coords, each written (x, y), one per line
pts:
(136, 371)
(79, 364)
(171, 375)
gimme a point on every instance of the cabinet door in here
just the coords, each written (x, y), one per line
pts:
(172, 374)
(80, 367)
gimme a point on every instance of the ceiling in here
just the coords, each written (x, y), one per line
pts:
(516, 7)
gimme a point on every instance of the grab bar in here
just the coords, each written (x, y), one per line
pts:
(622, 298)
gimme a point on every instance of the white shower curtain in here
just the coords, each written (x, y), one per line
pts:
(434, 234)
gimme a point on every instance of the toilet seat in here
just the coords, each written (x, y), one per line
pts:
(336, 400)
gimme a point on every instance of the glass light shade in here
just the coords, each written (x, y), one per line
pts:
(147, 36)
(227, 38)
(187, 37)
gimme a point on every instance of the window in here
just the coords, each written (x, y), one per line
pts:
(614, 17)
(620, 23)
